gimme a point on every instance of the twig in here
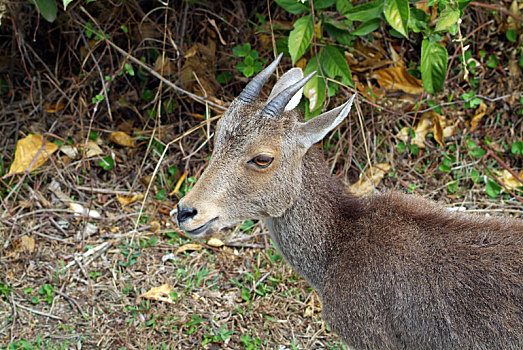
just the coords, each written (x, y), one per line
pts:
(41, 313)
(153, 72)
(503, 164)
(497, 8)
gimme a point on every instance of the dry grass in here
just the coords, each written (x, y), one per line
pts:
(79, 286)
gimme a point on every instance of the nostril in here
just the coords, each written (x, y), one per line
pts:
(186, 213)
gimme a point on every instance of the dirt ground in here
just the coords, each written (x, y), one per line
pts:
(85, 234)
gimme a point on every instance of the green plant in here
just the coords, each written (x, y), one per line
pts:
(251, 63)
(5, 290)
(106, 163)
(333, 33)
(517, 148)
(47, 292)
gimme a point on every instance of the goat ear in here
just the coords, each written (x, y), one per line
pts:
(315, 129)
(291, 77)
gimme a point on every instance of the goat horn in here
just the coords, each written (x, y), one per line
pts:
(252, 90)
(275, 106)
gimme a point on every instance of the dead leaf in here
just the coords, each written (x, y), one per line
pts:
(512, 23)
(397, 78)
(81, 210)
(27, 244)
(187, 247)
(121, 139)
(510, 180)
(161, 293)
(70, 151)
(54, 107)
(164, 66)
(421, 130)
(302, 63)
(480, 112)
(92, 149)
(27, 149)
(215, 242)
(200, 63)
(126, 200)
(371, 178)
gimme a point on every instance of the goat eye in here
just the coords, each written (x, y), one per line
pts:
(262, 161)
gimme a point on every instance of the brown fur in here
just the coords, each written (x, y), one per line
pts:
(394, 271)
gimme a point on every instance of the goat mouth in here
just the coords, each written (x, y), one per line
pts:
(200, 231)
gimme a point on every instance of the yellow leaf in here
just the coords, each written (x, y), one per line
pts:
(480, 112)
(302, 63)
(126, 200)
(187, 247)
(510, 180)
(214, 242)
(27, 244)
(27, 149)
(161, 293)
(398, 78)
(367, 183)
(121, 139)
(421, 130)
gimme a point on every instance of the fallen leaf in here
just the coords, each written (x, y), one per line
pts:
(512, 23)
(126, 200)
(215, 242)
(27, 149)
(187, 247)
(121, 139)
(161, 293)
(54, 107)
(480, 112)
(371, 178)
(70, 151)
(27, 244)
(421, 130)
(164, 66)
(92, 149)
(80, 210)
(397, 78)
(510, 180)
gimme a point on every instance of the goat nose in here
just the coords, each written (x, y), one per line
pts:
(185, 214)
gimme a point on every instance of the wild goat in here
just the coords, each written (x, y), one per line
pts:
(394, 271)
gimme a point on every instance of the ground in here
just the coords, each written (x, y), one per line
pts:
(85, 234)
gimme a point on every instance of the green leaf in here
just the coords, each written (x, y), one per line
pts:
(300, 37)
(511, 35)
(492, 188)
(66, 2)
(107, 163)
(335, 64)
(517, 148)
(397, 14)
(343, 5)
(293, 6)
(492, 61)
(433, 67)
(448, 17)
(241, 50)
(367, 27)
(366, 11)
(322, 4)
(47, 9)
(314, 90)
